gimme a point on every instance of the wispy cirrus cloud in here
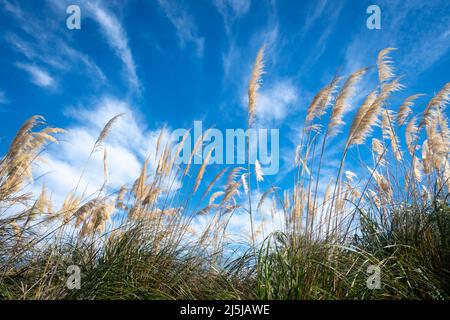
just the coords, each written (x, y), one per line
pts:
(401, 27)
(316, 11)
(46, 46)
(231, 10)
(331, 12)
(240, 58)
(63, 60)
(185, 26)
(116, 38)
(38, 75)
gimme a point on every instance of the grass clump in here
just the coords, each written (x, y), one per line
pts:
(390, 213)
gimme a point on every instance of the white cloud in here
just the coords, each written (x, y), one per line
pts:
(184, 24)
(39, 76)
(274, 103)
(127, 145)
(117, 39)
(277, 102)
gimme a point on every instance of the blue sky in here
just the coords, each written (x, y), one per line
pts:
(168, 62)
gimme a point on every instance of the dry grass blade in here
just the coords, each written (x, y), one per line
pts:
(356, 133)
(201, 171)
(405, 108)
(384, 64)
(417, 169)
(258, 171)
(378, 151)
(367, 115)
(178, 149)
(213, 182)
(411, 135)
(22, 134)
(341, 104)
(233, 174)
(139, 188)
(214, 196)
(264, 197)
(106, 129)
(105, 165)
(304, 166)
(43, 201)
(426, 157)
(198, 146)
(389, 133)
(254, 85)
(441, 99)
(159, 141)
(230, 190)
(322, 100)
